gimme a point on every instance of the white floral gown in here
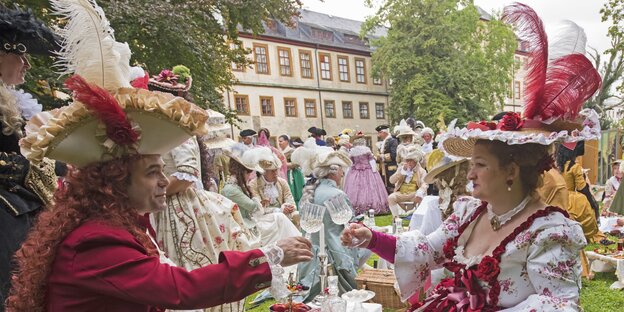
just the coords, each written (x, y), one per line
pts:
(538, 264)
(197, 225)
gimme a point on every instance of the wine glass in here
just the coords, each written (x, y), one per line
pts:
(311, 218)
(341, 213)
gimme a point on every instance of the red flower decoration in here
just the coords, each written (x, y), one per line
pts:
(122, 134)
(449, 249)
(488, 269)
(491, 125)
(167, 75)
(546, 163)
(511, 122)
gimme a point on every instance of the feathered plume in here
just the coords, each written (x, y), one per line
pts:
(571, 80)
(529, 28)
(569, 38)
(89, 46)
(105, 108)
(402, 126)
(256, 155)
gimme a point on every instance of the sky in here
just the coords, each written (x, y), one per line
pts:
(585, 13)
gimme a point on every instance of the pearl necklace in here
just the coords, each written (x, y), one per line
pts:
(497, 221)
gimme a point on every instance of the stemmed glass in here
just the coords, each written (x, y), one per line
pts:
(311, 218)
(341, 213)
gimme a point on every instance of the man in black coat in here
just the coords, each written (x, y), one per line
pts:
(387, 155)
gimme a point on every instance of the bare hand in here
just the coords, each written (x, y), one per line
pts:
(265, 202)
(296, 249)
(288, 209)
(417, 200)
(358, 231)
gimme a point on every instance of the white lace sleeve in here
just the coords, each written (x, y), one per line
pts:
(275, 255)
(183, 176)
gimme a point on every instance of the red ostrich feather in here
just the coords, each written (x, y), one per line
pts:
(105, 108)
(530, 28)
(571, 80)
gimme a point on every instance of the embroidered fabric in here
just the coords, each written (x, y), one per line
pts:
(183, 176)
(275, 255)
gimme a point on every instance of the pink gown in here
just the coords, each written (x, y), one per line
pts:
(364, 186)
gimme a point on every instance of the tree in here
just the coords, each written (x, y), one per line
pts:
(195, 33)
(609, 96)
(441, 58)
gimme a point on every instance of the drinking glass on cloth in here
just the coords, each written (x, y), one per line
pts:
(311, 218)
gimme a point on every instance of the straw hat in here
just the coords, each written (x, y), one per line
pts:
(438, 162)
(108, 118)
(556, 90)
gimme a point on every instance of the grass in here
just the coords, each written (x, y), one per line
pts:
(595, 294)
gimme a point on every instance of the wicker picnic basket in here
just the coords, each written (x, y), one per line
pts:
(382, 283)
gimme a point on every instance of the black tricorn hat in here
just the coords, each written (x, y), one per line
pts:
(247, 132)
(317, 131)
(21, 32)
(382, 127)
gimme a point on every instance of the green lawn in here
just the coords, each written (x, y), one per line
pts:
(595, 294)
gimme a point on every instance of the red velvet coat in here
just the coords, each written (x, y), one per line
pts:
(102, 268)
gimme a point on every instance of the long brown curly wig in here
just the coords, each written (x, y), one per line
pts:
(95, 192)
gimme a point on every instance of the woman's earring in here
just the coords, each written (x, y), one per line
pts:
(509, 184)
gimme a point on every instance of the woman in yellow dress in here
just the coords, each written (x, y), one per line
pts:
(579, 205)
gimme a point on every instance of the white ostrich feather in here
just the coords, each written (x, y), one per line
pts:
(402, 126)
(254, 156)
(568, 38)
(89, 48)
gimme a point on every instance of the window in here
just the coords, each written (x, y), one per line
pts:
(330, 109)
(236, 67)
(347, 110)
(266, 106)
(377, 81)
(290, 107)
(322, 34)
(325, 61)
(310, 107)
(380, 112)
(360, 71)
(517, 89)
(305, 59)
(364, 110)
(284, 61)
(261, 57)
(242, 104)
(343, 68)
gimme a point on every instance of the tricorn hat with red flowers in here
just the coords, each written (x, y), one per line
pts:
(108, 118)
(558, 82)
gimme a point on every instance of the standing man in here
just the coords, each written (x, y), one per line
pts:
(387, 154)
(247, 137)
(317, 134)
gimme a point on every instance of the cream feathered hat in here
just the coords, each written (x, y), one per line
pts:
(108, 118)
(311, 156)
(262, 157)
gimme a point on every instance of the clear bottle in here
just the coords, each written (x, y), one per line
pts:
(371, 218)
(398, 225)
(333, 303)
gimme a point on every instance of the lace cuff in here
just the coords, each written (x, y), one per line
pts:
(183, 176)
(274, 256)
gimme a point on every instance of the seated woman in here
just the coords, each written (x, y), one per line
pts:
(363, 184)
(408, 180)
(449, 176)
(612, 185)
(579, 204)
(327, 168)
(268, 225)
(512, 252)
(271, 190)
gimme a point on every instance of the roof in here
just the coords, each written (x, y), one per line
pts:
(318, 28)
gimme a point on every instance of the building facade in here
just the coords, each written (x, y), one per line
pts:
(317, 73)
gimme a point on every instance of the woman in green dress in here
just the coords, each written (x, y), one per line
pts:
(295, 176)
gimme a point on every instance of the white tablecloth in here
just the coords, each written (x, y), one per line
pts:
(594, 260)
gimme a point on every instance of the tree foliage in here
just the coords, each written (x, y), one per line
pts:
(442, 59)
(610, 94)
(165, 33)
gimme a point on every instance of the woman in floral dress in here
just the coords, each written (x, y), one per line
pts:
(510, 252)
